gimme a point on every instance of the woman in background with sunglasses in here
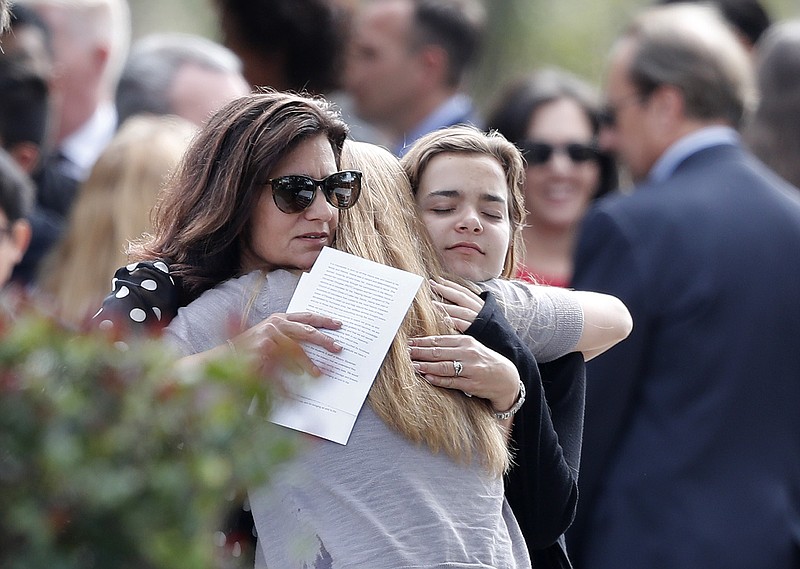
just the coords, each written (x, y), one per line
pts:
(554, 118)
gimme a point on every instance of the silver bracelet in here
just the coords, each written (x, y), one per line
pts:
(514, 408)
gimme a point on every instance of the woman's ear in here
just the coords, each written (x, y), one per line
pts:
(20, 237)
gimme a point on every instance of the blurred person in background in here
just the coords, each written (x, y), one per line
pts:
(296, 45)
(112, 208)
(554, 118)
(690, 455)
(286, 44)
(773, 133)
(90, 43)
(28, 38)
(178, 74)
(30, 42)
(407, 64)
(16, 199)
(24, 113)
(24, 109)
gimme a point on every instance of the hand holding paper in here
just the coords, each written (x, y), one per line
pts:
(277, 340)
(371, 301)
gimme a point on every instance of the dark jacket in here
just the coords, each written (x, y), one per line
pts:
(692, 437)
(541, 487)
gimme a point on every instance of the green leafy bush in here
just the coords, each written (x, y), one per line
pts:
(110, 458)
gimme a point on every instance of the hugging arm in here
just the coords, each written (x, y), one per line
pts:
(268, 337)
(551, 321)
(144, 298)
(542, 487)
(606, 322)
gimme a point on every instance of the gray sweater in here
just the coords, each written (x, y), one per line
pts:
(379, 501)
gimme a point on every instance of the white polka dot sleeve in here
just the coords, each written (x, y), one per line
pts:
(144, 297)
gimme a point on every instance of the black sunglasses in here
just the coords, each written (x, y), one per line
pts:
(541, 152)
(295, 193)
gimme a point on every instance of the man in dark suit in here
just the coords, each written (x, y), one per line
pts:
(691, 455)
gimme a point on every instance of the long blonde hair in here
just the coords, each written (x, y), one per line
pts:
(384, 227)
(112, 208)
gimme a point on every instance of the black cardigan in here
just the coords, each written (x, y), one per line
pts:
(547, 431)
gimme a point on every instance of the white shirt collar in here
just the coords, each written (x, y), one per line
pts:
(82, 147)
(688, 145)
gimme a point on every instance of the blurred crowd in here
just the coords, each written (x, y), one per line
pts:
(673, 186)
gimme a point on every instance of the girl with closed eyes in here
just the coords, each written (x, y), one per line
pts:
(468, 190)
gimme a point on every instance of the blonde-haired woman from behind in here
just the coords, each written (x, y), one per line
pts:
(112, 208)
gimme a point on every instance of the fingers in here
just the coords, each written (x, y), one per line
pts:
(457, 294)
(443, 369)
(443, 340)
(441, 374)
(277, 341)
(315, 320)
(483, 373)
(303, 327)
(448, 347)
(462, 318)
(446, 381)
(444, 360)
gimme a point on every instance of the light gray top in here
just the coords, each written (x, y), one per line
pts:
(379, 501)
(548, 319)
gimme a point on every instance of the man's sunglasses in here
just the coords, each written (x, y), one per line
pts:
(293, 194)
(537, 153)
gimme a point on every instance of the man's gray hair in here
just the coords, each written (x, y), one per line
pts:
(104, 21)
(691, 47)
(153, 63)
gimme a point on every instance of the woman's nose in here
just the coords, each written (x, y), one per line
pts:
(320, 208)
(470, 222)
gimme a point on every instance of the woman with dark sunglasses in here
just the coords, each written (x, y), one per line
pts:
(554, 118)
(235, 204)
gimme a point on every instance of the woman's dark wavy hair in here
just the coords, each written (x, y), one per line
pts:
(512, 113)
(202, 222)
